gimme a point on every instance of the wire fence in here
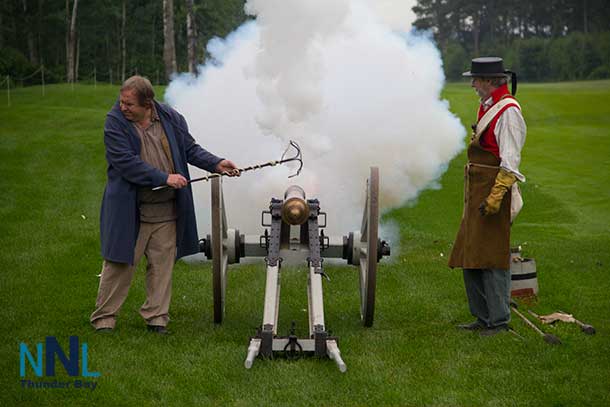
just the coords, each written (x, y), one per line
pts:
(37, 77)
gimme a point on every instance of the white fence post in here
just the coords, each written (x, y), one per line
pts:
(42, 74)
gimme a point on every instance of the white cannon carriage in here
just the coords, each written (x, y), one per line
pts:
(292, 230)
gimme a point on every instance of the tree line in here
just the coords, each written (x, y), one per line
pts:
(540, 39)
(110, 39)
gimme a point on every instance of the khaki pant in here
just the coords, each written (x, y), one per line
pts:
(157, 241)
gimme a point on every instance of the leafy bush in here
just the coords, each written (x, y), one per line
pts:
(55, 74)
(601, 72)
(533, 59)
(576, 56)
(455, 60)
(14, 63)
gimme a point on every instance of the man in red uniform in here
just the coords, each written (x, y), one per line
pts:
(482, 245)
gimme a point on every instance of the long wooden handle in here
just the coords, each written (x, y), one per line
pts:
(527, 321)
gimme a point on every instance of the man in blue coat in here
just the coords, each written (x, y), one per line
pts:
(148, 144)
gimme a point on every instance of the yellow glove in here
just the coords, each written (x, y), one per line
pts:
(504, 181)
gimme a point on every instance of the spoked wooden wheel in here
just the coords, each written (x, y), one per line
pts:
(368, 243)
(219, 254)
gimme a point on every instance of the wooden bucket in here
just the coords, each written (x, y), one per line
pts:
(524, 279)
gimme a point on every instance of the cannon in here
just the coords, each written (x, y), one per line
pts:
(294, 229)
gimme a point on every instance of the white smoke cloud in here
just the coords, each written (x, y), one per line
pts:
(396, 14)
(335, 76)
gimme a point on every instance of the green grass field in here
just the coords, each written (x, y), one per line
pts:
(52, 176)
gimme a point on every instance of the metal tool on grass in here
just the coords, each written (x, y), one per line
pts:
(548, 338)
(564, 317)
(283, 160)
(586, 328)
(512, 331)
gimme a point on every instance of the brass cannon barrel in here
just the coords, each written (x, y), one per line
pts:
(295, 209)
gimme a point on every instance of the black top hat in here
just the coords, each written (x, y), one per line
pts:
(491, 67)
(487, 67)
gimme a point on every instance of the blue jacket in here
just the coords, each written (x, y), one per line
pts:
(120, 217)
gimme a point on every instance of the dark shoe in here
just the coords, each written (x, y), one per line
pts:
(493, 330)
(158, 329)
(104, 329)
(473, 326)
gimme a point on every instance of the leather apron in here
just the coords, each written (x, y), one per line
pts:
(482, 242)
